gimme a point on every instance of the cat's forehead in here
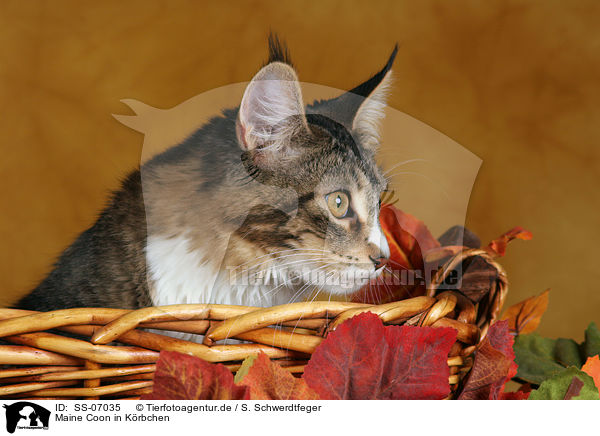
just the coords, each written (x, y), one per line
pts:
(339, 170)
(343, 156)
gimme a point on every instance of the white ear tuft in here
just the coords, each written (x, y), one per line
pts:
(366, 123)
(271, 109)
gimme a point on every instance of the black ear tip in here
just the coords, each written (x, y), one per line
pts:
(395, 52)
(391, 59)
(278, 51)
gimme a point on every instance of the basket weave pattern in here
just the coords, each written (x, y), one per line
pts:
(118, 360)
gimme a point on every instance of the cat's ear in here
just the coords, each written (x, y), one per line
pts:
(361, 109)
(272, 111)
(366, 125)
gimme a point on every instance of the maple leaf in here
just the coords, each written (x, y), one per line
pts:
(497, 247)
(267, 380)
(180, 376)
(363, 359)
(525, 317)
(408, 239)
(592, 368)
(569, 384)
(493, 367)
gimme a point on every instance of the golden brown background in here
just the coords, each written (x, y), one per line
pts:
(515, 82)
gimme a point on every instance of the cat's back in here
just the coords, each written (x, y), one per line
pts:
(105, 266)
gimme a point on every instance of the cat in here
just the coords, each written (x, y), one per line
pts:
(263, 205)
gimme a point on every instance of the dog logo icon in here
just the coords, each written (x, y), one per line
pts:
(26, 415)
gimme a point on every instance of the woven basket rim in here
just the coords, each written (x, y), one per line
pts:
(52, 364)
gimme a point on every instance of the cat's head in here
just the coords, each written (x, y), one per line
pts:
(325, 152)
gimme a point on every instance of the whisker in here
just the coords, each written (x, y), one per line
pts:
(300, 291)
(403, 163)
(312, 271)
(279, 258)
(276, 269)
(311, 300)
(438, 184)
(289, 250)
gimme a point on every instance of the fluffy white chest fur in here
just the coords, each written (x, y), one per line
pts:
(179, 275)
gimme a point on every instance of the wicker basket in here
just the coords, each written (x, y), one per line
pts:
(118, 360)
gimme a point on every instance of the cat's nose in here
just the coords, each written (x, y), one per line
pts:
(378, 261)
(378, 249)
(378, 256)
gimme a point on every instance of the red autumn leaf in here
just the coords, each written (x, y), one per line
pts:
(497, 247)
(592, 368)
(524, 317)
(521, 394)
(363, 359)
(493, 367)
(408, 239)
(267, 380)
(180, 376)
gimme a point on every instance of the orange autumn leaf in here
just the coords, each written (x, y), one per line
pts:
(524, 317)
(592, 368)
(267, 380)
(497, 247)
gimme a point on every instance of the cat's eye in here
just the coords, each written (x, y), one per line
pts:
(338, 203)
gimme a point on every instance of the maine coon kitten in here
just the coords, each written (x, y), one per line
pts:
(263, 205)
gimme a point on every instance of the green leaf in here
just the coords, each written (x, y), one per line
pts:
(246, 364)
(535, 357)
(591, 346)
(566, 352)
(556, 387)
